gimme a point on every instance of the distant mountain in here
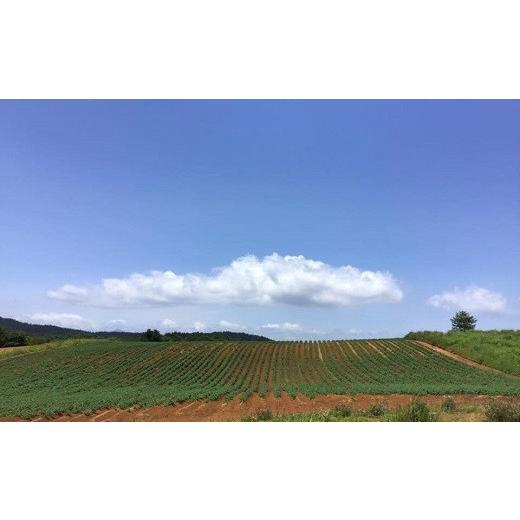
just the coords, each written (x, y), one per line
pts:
(44, 331)
(47, 332)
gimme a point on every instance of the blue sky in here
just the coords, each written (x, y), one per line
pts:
(420, 198)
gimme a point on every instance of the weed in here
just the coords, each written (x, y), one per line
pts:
(341, 410)
(416, 411)
(448, 405)
(502, 412)
(377, 410)
(264, 415)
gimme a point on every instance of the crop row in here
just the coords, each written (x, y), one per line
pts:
(94, 374)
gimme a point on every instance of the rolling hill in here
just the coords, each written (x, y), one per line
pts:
(40, 333)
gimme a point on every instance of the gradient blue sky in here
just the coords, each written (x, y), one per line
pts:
(427, 191)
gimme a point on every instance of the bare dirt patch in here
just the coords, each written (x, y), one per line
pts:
(235, 409)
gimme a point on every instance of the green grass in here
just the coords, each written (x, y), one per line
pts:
(86, 375)
(10, 352)
(499, 349)
(415, 411)
(502, 412)
(325, 416)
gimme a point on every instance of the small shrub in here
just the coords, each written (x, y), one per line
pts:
(416, 411)
(502, 412)
(377, 410)
(264, 415)
(341, 410)
(448, 405)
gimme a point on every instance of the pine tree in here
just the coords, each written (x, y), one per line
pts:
(463, 321)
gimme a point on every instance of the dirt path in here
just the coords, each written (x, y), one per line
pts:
(464, 360)
(234, 410)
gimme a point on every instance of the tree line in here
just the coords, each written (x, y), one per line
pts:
(155, 335)
(9, 339)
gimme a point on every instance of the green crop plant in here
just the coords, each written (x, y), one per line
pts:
(79, 375)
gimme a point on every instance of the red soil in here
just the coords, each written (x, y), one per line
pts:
(235, 409)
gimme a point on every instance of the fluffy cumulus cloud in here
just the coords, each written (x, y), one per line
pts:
(199, 326)
(169, 325)
(229, 325)
(72, 321)
(293, 280)
(285, 327)
(472, 299)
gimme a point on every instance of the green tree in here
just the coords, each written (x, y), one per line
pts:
(463, 321)
(12, 340)
(152, 335)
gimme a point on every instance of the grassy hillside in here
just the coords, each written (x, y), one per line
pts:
(11, 352)
(92, 374)
(499, 349)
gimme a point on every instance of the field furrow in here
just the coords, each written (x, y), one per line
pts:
(102, 374)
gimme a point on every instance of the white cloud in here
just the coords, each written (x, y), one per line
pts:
(229, 325)
(62, 320)
(169, 325)
(286, 326)
(471, 299)
(355, 331)
(199, 326)
(293, 280)
(70, 293)
(116, 324)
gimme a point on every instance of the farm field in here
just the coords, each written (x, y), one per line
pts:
(89, 375)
